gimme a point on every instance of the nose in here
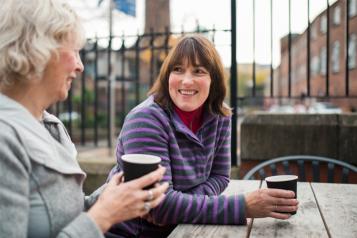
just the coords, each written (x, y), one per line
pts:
(187, 79)
(80, 66)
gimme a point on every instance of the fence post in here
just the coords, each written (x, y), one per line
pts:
(123, 81)
(96, 78)
(233, 89)
(137, 69)
(83, 101)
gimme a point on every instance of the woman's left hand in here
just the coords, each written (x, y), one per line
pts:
(268, 202)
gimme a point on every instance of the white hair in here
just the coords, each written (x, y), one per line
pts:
(30, 32)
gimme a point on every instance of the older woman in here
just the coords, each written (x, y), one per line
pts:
(40, 179)
(187, 124)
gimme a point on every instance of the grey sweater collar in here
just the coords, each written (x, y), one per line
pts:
(36, 139)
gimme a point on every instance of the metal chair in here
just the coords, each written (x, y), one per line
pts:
(302, 162)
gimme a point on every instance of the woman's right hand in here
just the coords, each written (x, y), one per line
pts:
(268, 202)
(123, 201)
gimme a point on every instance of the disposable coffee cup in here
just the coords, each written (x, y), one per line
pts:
(287, 182)
(138, 165)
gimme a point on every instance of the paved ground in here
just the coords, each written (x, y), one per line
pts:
(96, 160)
(92, 153)
(97, 163)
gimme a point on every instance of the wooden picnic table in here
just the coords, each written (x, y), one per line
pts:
(325, 210)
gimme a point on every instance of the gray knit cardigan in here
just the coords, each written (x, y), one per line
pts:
(40, 179)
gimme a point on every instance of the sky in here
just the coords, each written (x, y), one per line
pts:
(208, 13)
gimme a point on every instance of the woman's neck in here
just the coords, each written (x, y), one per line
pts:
(192, 120)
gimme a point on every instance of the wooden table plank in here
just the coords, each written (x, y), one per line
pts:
(307, 222)
(338, 205)
(216, 231)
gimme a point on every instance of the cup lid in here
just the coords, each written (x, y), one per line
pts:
(141, 158)
(281, 178)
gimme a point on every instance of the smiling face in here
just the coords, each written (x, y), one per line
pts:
(61, 70)
(192, 75)
(189, 86)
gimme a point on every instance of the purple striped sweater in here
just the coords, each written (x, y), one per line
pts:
(197, 169)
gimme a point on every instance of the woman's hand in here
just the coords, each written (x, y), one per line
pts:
(270, 202)
(123, 201)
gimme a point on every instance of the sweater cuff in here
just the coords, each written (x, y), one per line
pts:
(242, 213)
(82, 226)
(236, 210)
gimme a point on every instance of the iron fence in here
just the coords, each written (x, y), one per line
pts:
(120, 70)
(118, 73)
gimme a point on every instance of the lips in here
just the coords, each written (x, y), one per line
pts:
(187, 92)
(70, 80)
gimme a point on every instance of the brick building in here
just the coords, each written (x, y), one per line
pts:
(336, 53)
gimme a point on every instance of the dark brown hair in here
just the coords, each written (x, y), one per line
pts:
(194, 49)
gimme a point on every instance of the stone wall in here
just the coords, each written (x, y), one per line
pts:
(265, 136)
(348, 138)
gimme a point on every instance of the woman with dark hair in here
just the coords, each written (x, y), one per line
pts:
(186, 122)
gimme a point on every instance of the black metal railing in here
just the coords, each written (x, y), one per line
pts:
(283, 87)
(118, 79)
(346, 33)
(115, 79)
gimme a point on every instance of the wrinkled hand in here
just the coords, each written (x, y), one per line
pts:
(123, 201)
(148, 217)
(270, 202)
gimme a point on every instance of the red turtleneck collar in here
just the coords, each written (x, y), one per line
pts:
(193, 120)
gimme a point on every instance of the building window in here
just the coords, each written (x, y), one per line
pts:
(315, 64)
(323, 24)
(313, 32)
(337, 15)
(323, 61)
(336, 57)
(352, 8)
(352, 48)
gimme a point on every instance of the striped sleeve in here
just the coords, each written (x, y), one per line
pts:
(147, 132)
